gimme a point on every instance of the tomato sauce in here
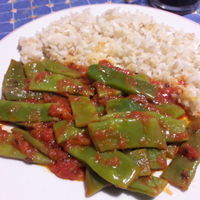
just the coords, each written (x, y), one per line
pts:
(3, 135)
(165, 91)
(79, 68)
(68, 169)
(115, 161)
(190, 152)
(62, 109)
(23, 146)
(144, 117)
(108, 64)
(40, 77)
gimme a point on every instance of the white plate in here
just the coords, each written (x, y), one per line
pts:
(20, 181)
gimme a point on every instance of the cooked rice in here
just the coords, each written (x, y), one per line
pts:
(132, 41)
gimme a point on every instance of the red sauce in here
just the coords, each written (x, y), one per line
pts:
(3, 135)
(62, 110)
(98, 157)
(107, 90)
(44, 134)
(68, 169)
(40, 77)
(79, 68)
(190, 152)
(102, 134)
(122, 142)
(57, 154)
(108, 64)
(23, 146)
(115, 161)
(165, 91)
(144, 117)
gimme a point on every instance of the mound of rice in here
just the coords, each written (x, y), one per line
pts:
(132, 41)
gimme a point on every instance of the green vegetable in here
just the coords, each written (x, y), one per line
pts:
(14, 84)
(66, 129)
(181, 170)
(33, 67)
(83, 110)
(141, 158)
(172, 109)
(94, 182)
(34, 142)
(157, 158)
(113, 166)
(173, 129)
(58, 83)
(124, 83)
(126, 133)
(21, 112)
(9, 151)
(58, 68)
(150, 185)
(123, 105)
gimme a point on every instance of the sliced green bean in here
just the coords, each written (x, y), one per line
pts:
(126, 133)
(157, 158)
(150, 185)
(14, 84)
(94, 182)
(33, 67)
(34, 142)
(181, 171)
(83, 110)
(123, 105)
(124, 83)
(66, 129)
(9, 151)
(141, 158)
(58, 68)
(173, 129)
(113, 166)
(21, 112)
(174, 110)
(58, 83)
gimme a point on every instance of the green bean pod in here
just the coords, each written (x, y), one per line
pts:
(14, 84)
(7, 150)
(181, 170)
(84, 111)
(149, 185)
(141, 158)
(157, 158)
(46, 81)
(21, 112)
(66, 129)
(174, 130)
(33, 67)
(94, 182)
(126, 133)
(123, 105)
(124, 83)
(34, 142)
(113, 166)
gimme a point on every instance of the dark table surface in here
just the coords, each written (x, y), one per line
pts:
(15, 13)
